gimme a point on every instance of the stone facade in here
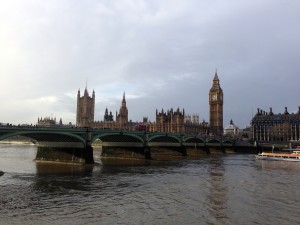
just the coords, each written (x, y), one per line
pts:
(85, 109)
(122, 117)
(121, 122)
(216, 107)
(231, 130)
(270, 127)
(170, 121)
(175, 121)
(48, 122)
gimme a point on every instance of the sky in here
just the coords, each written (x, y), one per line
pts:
(162, 53)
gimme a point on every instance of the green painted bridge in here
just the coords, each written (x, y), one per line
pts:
(66, 144)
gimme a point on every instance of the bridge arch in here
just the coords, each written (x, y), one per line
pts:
(56, 144)
(213, 141)
(121, 144)
(118, 137)
(164, 140)
(45, 136)
(227, 142)
(197, 140)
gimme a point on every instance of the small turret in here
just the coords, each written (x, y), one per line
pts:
(286, 111)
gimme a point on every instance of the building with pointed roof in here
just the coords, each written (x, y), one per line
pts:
(121, 122)
(108, 117)
(85, 109)
(122, 116)
(216, 107)
(171, 121)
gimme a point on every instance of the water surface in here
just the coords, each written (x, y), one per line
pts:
(222, 189)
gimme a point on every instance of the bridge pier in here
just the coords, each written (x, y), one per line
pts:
(147, 153)
(125, 152)
(88, 155)
(183, 151)
(206, 149)
(65, 154)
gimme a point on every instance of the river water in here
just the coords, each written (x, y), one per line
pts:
(220, 189)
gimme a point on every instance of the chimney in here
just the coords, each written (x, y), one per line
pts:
(285, 111)
(271, 112)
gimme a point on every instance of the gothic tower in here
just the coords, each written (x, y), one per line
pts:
(216, 107)
(122, 118)
(85, 109)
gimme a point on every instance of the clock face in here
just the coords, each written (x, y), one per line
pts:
(214, 97)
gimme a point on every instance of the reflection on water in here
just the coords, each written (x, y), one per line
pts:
(284, 166)
(223, 189)
(217, 197)
(61, 168)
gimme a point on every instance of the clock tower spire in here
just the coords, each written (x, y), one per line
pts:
(216, 107)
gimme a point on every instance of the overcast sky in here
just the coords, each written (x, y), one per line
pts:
(162, 53)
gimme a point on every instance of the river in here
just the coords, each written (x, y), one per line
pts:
(220, 189)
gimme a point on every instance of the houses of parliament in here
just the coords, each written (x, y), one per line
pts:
(170, 121)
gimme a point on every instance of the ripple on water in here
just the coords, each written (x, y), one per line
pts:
(232, 189)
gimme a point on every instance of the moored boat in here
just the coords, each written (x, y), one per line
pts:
(289, 155)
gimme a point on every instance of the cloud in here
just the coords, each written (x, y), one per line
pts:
(163, 54)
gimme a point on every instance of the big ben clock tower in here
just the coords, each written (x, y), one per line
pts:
(216, 107)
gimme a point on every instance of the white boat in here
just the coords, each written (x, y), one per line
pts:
(292, 155)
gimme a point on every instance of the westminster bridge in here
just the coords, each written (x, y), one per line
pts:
(67, 144)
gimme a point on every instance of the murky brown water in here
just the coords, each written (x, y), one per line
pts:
(229, 189)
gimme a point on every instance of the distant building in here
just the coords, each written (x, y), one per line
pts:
(48, 122)
(267, 126)
(216, 107)
(192, 119)
(175, 121)
(247, 132)
(121, 122)
(122, 116)
(231, 129)
(170, 121)
(108, 117)
(85, 109)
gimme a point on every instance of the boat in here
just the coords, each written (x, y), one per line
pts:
(289, 155)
